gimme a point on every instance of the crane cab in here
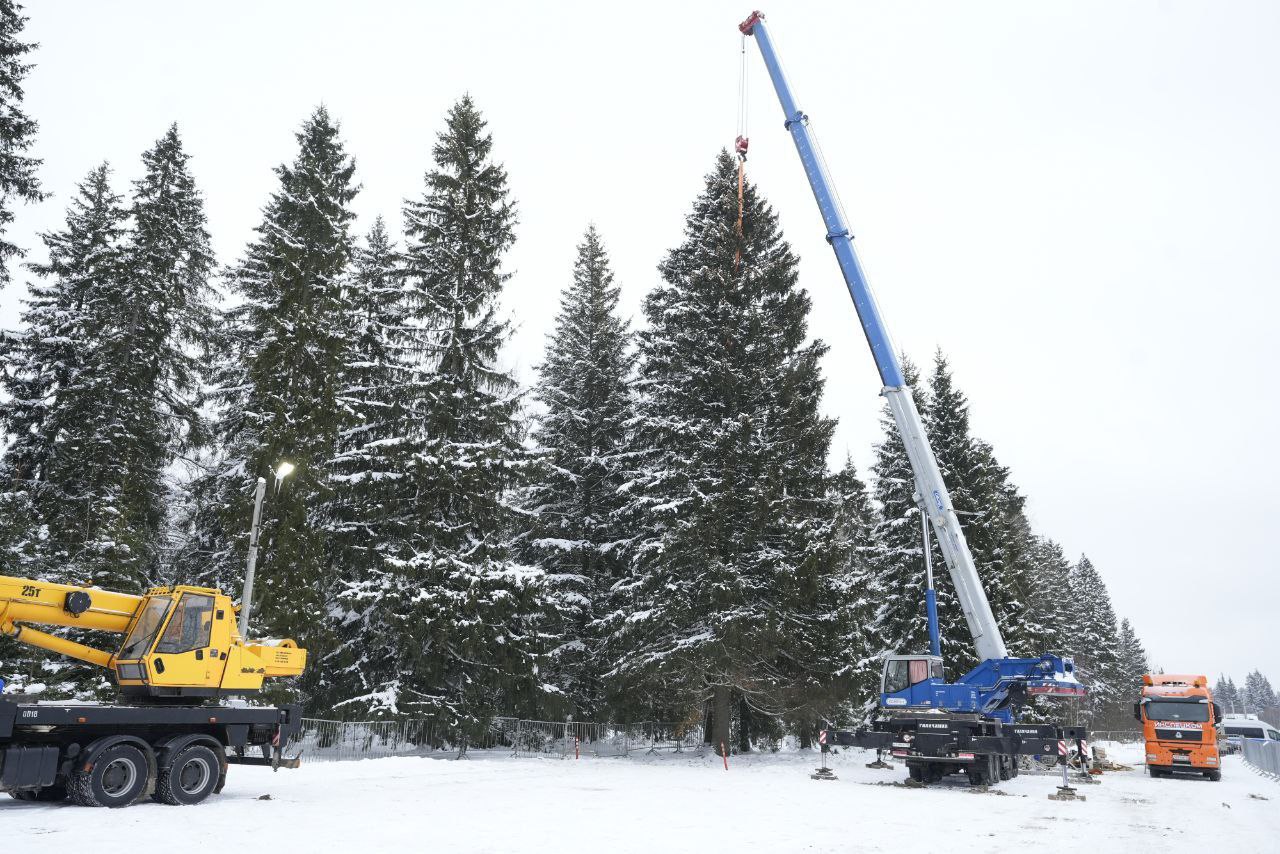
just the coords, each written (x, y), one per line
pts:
(909, 681)
(183, 643)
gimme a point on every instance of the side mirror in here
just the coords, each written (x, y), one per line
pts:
(1137, 711)
(1217, 713)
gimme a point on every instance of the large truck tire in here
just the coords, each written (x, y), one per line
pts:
(117, 778)
(1215, 776)
(983, 770)
(188, 777)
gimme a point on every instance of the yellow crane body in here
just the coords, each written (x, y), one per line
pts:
(180, 641)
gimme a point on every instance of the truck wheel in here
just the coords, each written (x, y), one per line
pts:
(980, 771)
(916, 773)
(117, 778)
(45, 795)
(1155, 771)
(1215, 776)
(189, 777)
(1003, 763)
(935, 772)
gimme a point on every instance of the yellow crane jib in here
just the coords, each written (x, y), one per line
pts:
(180, 642)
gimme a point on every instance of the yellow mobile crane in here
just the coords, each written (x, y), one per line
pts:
(181, 652)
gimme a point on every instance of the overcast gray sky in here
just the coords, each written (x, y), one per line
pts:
(1077, 201)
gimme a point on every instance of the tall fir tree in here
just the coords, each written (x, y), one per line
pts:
(1096, 648)
(897, 560)
(576, 535)
(734, 563)
(372, 516)
(450, 621)
(170, 320)
(1131, 663)
(18, 179)
(1050, 600)
(1259, 697)
(991, 513)
(1227, 695)
(66, 466)
(277, 387)
(858, 661)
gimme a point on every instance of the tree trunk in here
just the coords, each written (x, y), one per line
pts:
(720, 723)
(744, 726)
(805, 731)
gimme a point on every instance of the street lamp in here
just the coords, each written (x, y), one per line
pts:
(281, 471)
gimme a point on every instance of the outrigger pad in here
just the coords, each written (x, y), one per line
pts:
(1066, 793)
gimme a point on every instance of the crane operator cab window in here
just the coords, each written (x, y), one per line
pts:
(901, 673)
(190, 625)
(144, 631)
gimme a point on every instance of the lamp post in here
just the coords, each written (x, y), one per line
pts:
(246, 599)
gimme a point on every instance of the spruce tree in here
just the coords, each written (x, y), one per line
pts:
(991, 513)
(576, 536)
(1050, 600)
(277, 387)
(1097, 640)
(898, 583)
(1227, 695)
(733, 564)
(854, 608)
(371, 512)
(1131, 664)
(1259, 696)
(67, 462)
(449, 620)
(18, 178)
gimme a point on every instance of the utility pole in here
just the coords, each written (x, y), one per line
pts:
(246, 599)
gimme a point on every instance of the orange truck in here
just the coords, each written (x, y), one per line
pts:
(1179, 720)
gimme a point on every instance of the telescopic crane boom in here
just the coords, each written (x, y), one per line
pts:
(931, 491)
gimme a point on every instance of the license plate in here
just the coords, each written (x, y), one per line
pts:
(1182, 760)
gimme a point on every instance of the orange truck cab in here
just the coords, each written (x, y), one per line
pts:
(1179, 720)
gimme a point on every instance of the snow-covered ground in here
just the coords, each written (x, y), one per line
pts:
(673, 803)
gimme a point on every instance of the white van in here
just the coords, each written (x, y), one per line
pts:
(1237, 727)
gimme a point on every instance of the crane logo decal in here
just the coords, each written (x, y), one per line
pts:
(937, 499)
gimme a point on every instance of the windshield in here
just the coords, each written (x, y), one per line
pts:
(1170, 710)
(189, 628)
(144, 631)
(1246, 731)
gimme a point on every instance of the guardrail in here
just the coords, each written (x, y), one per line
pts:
(339, 741)
(1263, 755)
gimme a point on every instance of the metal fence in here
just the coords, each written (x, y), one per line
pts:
(338, 741)
(1123, 736)
(1264, 755)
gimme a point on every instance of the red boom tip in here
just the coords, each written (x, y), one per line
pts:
(749, 24)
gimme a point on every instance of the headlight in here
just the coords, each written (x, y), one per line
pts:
(131, 671)
(1211, 761)
(1151, 757)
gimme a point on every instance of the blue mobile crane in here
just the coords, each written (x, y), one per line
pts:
(937, 727)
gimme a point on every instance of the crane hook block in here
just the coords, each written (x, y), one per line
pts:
(740, 147)
(749, 24)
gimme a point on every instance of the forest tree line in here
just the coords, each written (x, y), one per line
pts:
(651, 531)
